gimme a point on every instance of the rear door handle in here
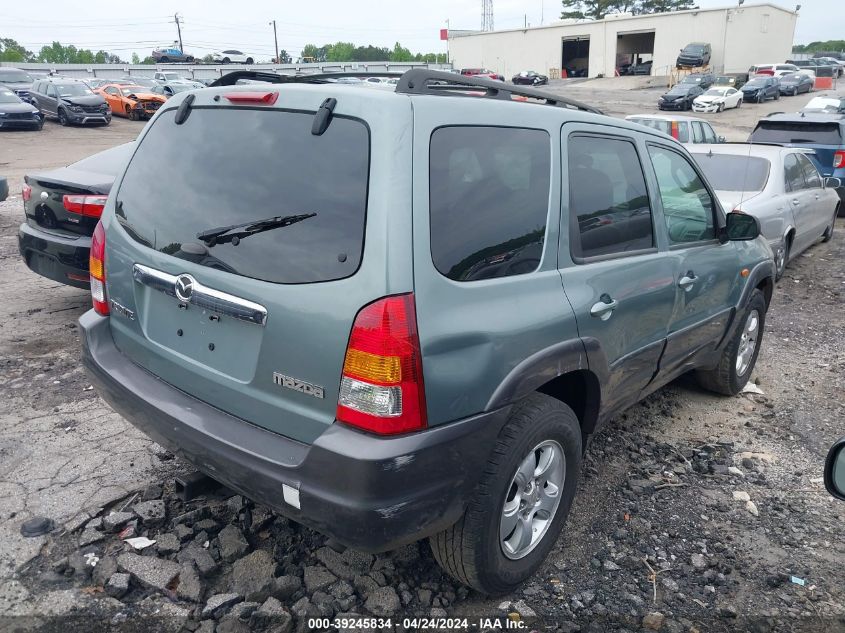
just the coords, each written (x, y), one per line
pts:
(604, 308)
(796, 202)
(687, 281)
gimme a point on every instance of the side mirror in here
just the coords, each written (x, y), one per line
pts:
(741, 226)
(834, 470)
(722, 139)
(832, 182)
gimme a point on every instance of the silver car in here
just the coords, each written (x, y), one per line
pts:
(780, 186)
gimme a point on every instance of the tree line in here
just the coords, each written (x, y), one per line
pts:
(597, 9)
(348, 52)
(829, 46)
(55, 53)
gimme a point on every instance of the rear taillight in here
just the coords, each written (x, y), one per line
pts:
(675, 133)
(381, 389)
(26, 193)
(838, 159)
(90, 206)
(97, 270)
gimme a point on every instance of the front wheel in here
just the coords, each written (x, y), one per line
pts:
(777, 95)
(828, 232)
(740, 354)
(795, 92)
(249, 60)
(62, 117)
(521, 501)
(721, 107)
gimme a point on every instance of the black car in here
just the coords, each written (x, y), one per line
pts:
(680, 97)
(530, 78)
(62, 208)
(16, 114)
(705, 80)
(795, 83)
(70, 101)
(693, 55)
(736, 80)
(18, 81)
(761, 88)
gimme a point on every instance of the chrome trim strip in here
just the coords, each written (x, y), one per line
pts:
(202, 296)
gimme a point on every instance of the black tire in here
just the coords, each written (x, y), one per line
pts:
(189, 60)
(760, 98)
(226, 60)
(249, 60)
(828, 232)
(470, 551)
(721, 108)
(62, 116)
(795, 92)
(724, 378)
(777, 96)
(781, 268)
(164, 60)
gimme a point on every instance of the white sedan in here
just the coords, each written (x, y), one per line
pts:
(717, 99)
(232, 57)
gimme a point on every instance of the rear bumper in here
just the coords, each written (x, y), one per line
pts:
(62, 259)
(369, 493)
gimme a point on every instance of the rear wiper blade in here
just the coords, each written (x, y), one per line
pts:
(225, 234)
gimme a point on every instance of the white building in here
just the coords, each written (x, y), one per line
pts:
(740, 36)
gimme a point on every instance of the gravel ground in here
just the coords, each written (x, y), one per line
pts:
(695, 512)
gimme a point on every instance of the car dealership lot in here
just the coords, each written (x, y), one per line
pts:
(656, 482)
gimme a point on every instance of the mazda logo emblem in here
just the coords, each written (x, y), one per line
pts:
(184, 287)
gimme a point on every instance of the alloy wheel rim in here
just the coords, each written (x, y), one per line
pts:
(532, 499)
(748, 343)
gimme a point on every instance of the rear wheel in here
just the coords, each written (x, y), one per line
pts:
(164, 60)
(740, 354)
(226, 60)
(521, 501)
(781, 258)
(189, 60)
(249, 60)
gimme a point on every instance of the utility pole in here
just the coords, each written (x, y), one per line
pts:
(486, 15)
(179, 31)
(276, 40)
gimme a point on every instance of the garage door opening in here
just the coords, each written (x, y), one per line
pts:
(634, 53)
(576, 56)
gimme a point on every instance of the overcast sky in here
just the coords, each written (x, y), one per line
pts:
(126, 27)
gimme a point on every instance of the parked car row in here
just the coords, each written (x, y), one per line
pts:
(206, 313)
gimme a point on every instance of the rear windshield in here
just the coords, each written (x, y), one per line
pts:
(734, 173)
(665, 127)
(229, 166)
(789, 132)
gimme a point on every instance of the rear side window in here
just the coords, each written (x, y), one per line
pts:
(797, 132)
(811, 174)
(793, 174)
(489, 200)
(239, 166)
(609, 209)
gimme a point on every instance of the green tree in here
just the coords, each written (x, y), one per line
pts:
(208, 59)
(135, 58)
(11, 51)
(317, 54)
(597, 9)
(400, 54)
(341, 52)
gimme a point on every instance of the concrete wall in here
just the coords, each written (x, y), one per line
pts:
(211, 71)
(739, 36)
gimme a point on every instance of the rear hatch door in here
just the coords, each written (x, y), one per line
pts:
(255, 321)
(825, 137)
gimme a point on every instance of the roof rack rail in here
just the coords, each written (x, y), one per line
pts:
(421, 81)
(232, 78)
(418, 81)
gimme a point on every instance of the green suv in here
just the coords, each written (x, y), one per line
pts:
(395, 314)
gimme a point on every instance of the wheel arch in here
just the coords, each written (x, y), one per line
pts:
(561, 371)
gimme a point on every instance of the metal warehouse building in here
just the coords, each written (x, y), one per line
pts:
(740, 36)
